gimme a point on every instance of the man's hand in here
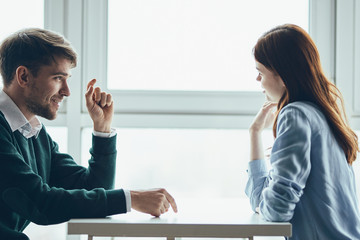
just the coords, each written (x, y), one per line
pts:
(100, 107)
(154, 202)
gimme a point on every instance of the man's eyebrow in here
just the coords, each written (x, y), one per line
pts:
(62, 73)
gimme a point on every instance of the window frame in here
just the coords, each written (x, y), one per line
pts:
(348, 57)
(84, 23)
(206, 105)
(66, 18)
(334, 26)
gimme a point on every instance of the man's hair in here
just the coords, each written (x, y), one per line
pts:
(32, 48)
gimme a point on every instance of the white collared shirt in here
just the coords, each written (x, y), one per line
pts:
(16, 118)
(28, 129)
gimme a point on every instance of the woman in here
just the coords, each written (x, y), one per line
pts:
(311, 183)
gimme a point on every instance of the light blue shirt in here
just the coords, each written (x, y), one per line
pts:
(310, 184)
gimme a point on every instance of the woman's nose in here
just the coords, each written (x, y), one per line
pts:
(258, 78)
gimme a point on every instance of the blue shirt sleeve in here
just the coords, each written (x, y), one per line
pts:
(258, 180)
(278, 191)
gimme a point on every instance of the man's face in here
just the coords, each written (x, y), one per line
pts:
(48, 88)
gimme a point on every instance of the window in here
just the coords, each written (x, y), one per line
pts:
(200, 163)
(16, 22)
(180, 73)
(183, 79)
(189, 68)
(197, 61)
(167, 110)
(196, 45)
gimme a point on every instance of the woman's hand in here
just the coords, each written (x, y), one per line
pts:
(264, 118)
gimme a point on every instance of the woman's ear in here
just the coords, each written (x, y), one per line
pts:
(22, 75)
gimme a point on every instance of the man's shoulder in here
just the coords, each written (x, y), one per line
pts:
(6, 134)
(1, 115)
(4, 125)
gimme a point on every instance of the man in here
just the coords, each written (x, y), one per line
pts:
(38, 183)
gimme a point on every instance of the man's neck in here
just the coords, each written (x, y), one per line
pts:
(17, 97)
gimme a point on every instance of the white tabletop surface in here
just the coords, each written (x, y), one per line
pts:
(195, 218)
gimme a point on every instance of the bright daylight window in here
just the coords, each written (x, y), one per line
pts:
(188, 45)
(201, 45)
(195, 163)
(17, 17)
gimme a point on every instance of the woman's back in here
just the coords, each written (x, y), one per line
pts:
(307, 158)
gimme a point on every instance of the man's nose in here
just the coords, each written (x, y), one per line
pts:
(65, 90)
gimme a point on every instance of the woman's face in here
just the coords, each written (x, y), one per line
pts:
(272, 83)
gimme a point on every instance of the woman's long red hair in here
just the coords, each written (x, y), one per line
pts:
(288, 51)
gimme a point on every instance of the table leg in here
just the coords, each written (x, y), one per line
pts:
(251, 238)
(90, 237)
(170, 238)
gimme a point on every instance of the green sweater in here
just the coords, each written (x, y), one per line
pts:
(41, 185)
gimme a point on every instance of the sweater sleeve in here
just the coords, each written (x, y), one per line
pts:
(66, 173)
(24, 192)
(278, 192)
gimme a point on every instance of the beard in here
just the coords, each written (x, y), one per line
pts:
(40, 109)
(35, 105)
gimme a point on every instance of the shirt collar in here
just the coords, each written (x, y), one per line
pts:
(16, 118)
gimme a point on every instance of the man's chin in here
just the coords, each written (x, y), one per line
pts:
(48, 116)
(45, 111)
(52, 117)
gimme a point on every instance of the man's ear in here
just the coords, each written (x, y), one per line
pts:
(22, 76)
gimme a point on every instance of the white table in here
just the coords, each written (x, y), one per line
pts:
(231, 218)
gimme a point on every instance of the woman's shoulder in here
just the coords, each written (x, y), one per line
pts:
(302, 106)
(305, 110)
